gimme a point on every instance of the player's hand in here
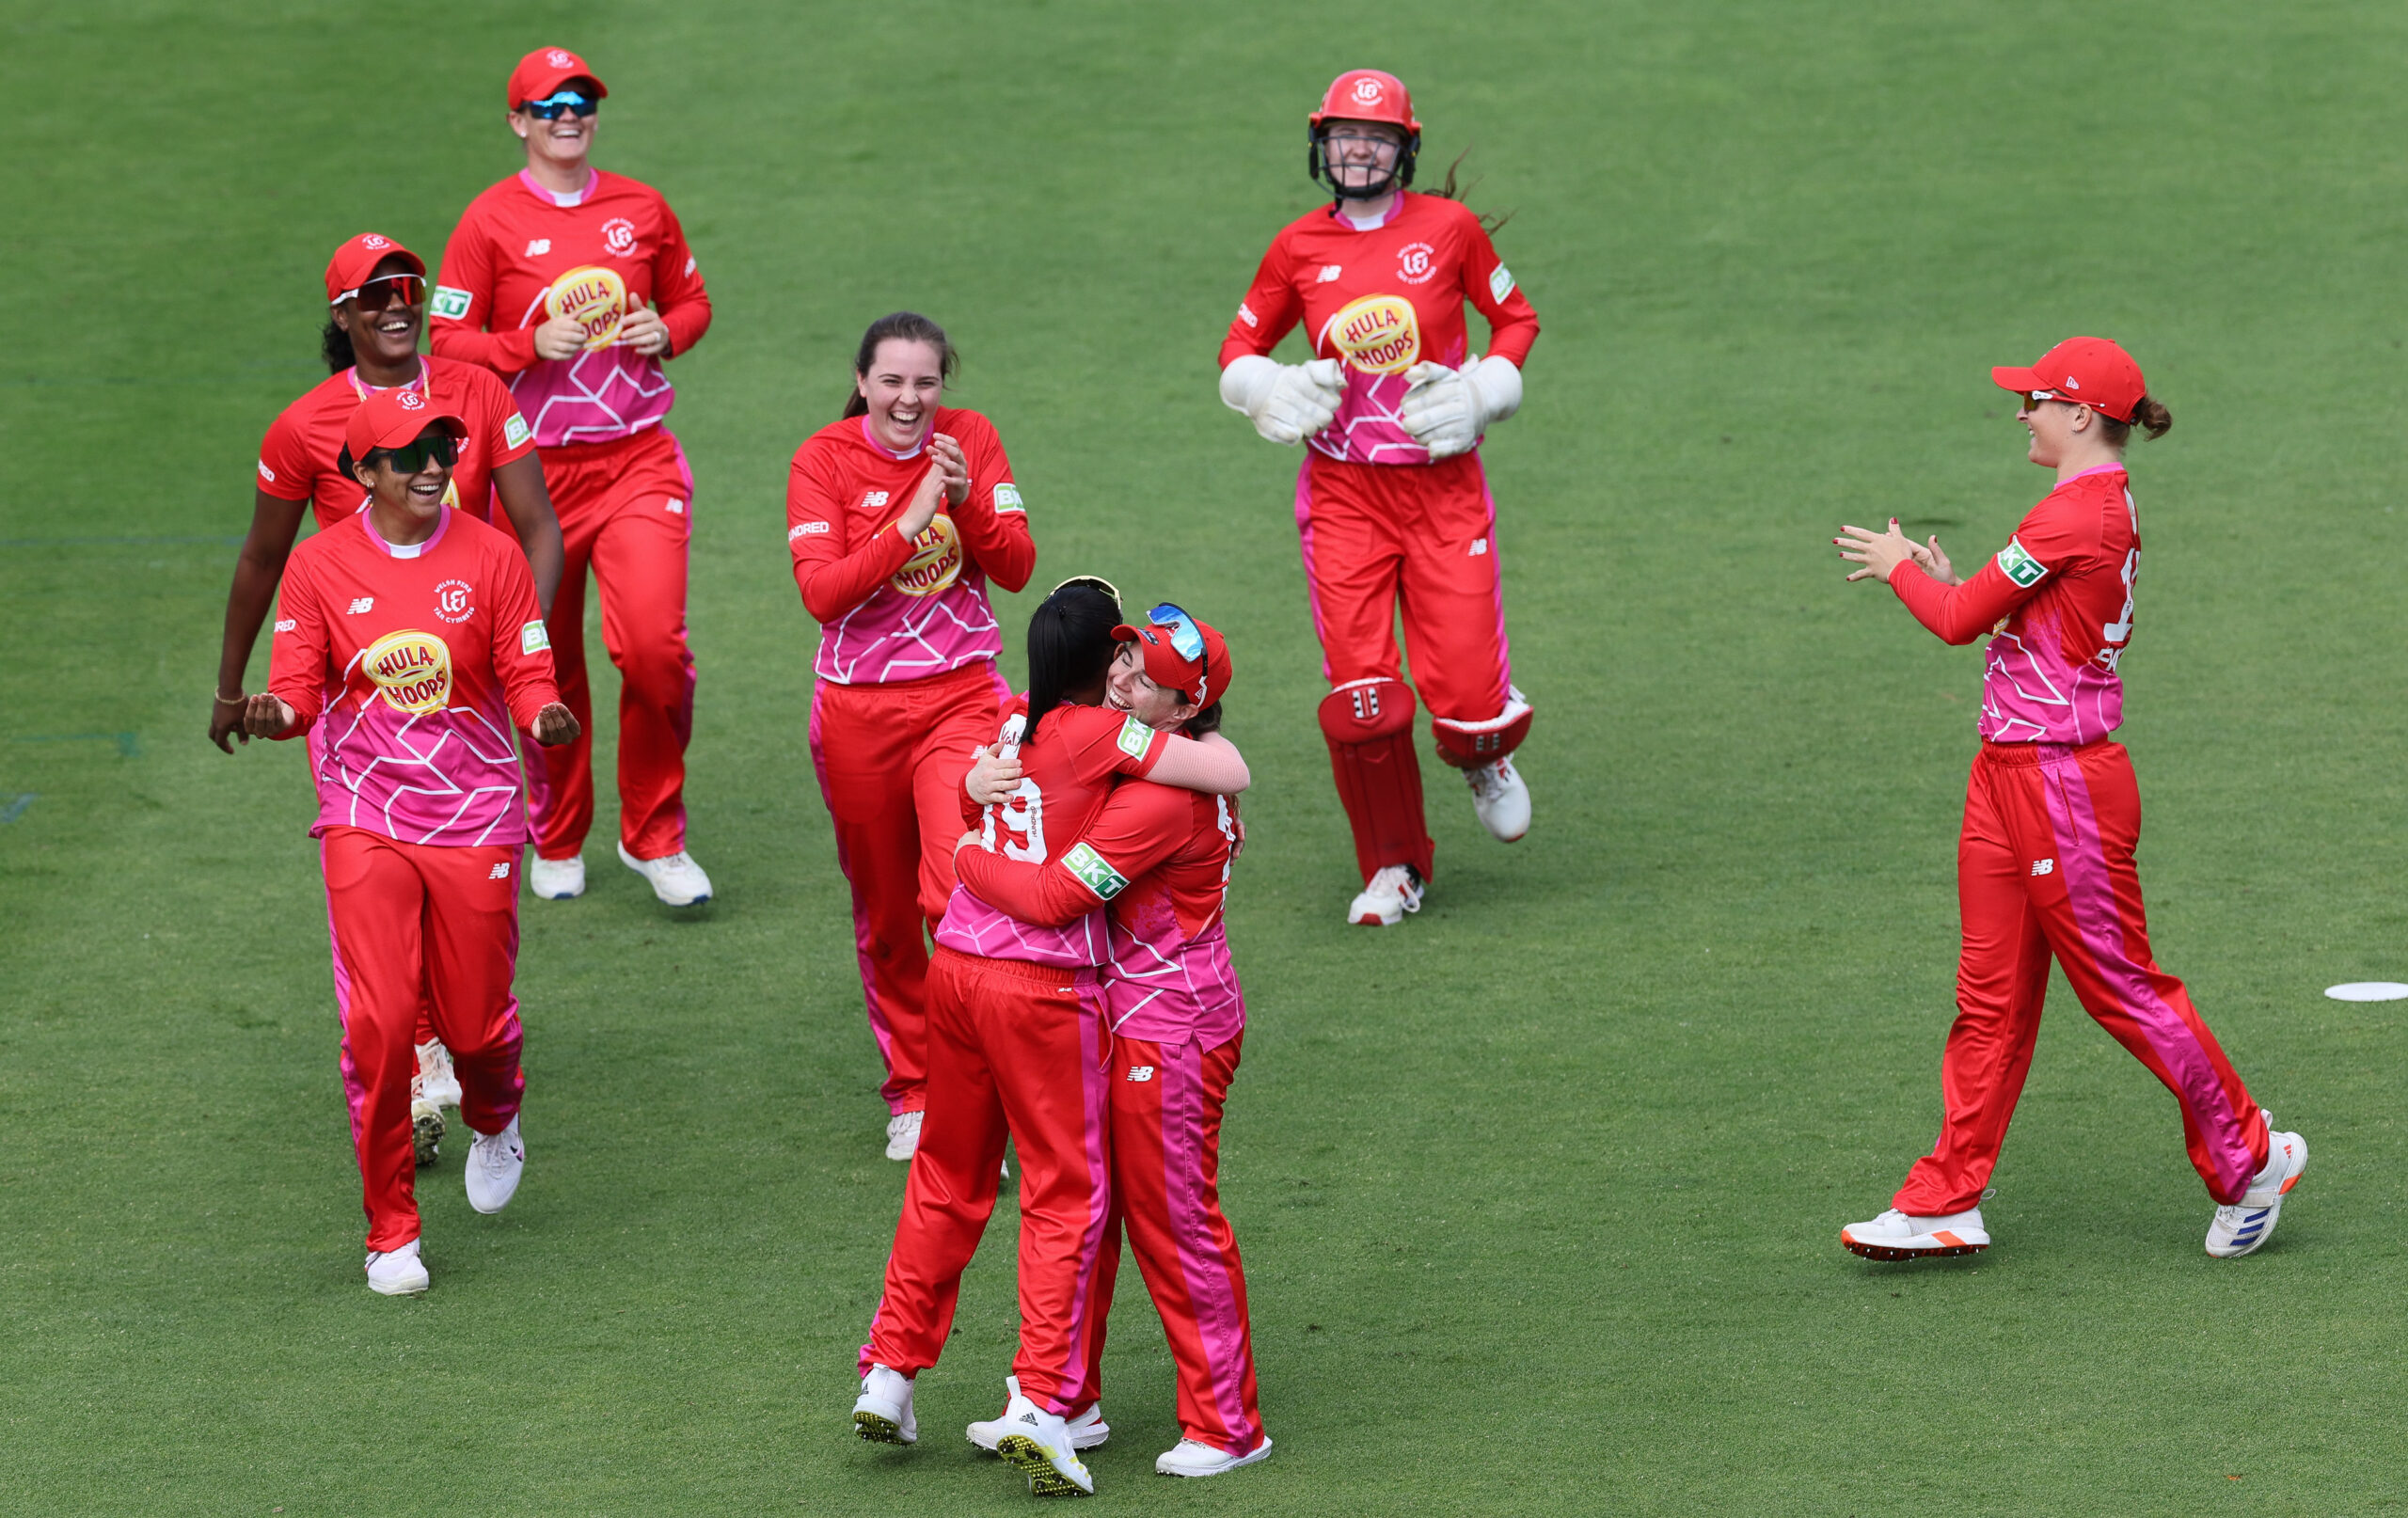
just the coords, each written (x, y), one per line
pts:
(555, 726)
(1237, 840)
(264, 716)
(925, 500)
(644, 330)
(1878, 552)
(949, 458)
(1933, 562)
(563, 336)
(1441, 410)
(225, 723)
(994, 777)
(969, 840)
(1287, 403)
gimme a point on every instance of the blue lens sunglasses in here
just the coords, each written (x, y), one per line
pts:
(1185, 639)
(549, 110)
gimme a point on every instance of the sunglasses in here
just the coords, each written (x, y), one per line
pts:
(1186, 640)
(375, 294)
(413, 457)
(1090, 582)
(568, 101)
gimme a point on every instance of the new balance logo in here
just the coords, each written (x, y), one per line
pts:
(501, 871)
(537, 248)
(873, 498)
(360, 604)
(2044, 866)
(1141, 1072)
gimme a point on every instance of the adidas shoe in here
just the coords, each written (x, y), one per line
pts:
(2239, 1228)
(1896, 1235)
(397, 1272)
(496, 1160)
(1038, 1445)
(675, 878)
(556, 879)
(1500, 800)
(1086, 1431)
(1190, 1458)
(882, 1414)
(1391, 893)
(903, 1134)
(438, 1083)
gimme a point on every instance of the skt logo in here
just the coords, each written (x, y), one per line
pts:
(1415, 262)
(360, 604)
(619, 236)
(452, 601)
(2044, 866)
(1141, 1072)
(538, 247)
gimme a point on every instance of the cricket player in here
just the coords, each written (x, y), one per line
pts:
(1392, 500)
(1157, 861)
(411, 631)
(376, 303)
(2052, 815)
(577, 286)
(898, 517)
(1018, 1048)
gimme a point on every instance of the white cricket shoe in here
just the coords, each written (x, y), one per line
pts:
(1038, 1445)
(397, 1272)
(496, 1160)
(2238, 1230)
(882, 1414)
(903, 1134)
(677, 879)
(1502, 800)
(556, 879)
(1188, 1458)
(1896, 1235)
(1086, 1431)
(1391, 893)
(426, 1129)
(438, 1083)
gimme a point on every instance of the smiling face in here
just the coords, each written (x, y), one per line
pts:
(563, 141)
(1359, 154)
(905, 380)
(1132, 690)
(2053, 424)
(383, 328)
(414, 495)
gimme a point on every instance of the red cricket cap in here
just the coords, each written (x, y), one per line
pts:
(1202, 681)
(1367, 95)
(357, 260)
(391, 418)
(2092, 370)
(541, 74)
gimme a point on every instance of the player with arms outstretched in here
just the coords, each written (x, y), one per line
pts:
(409, 641)
(2052, 816)
(1391, 499)
(376, 307)
(897, 515)
(576, 286)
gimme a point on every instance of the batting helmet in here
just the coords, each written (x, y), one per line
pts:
(1364, 95)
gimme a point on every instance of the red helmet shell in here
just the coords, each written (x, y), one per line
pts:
(1367, 95)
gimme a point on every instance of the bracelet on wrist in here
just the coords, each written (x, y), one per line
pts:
(230, 701)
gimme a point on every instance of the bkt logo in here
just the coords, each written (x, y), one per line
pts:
(1366, 92)
(1415, 262)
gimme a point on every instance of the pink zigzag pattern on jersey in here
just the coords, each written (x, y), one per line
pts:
(880, 642)
(407, 809)
(566, 402)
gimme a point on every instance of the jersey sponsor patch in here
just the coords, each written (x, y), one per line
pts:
(514, 431)
(1095, 871)
(412, 671)
(936, 559)
(593, 298)
(534, 639)
(805, 530)
(1135, 737)
(1008, 498)
(1500, 284)
(2019, 565)
(450, 304)
(1378, 334)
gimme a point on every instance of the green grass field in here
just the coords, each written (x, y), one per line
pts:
(1540, 1193)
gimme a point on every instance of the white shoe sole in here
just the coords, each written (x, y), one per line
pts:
(556, 893)
(1946, 1244)
(636, 864)
(1045, 1479)
(878, 1429)
(412, 1286)
(1261, 1452)
(1094, 1437)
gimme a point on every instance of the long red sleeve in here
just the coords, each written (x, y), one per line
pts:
(1958, 613)
(834, 573)
(993, 525)
(678, 289)
(467, 266)
(1141, 824)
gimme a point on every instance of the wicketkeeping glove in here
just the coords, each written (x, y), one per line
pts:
(1287, 403)
(1447, 409)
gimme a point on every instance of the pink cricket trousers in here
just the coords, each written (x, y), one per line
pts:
(2044, 869)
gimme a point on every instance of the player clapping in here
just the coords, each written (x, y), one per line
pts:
(412, 630)
(2052, 816)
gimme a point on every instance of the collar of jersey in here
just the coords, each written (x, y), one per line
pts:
(406, 550)
(917, 448)
(1338, 214)
(575, 198)
(2096, 468)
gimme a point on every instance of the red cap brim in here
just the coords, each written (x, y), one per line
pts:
(2026, 380)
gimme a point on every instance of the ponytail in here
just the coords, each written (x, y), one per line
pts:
(1070, 645)
(1491, 222)
(2149, 415)
(909, 326)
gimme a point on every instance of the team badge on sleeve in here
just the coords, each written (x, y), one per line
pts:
(1095, 871)
(2019, 565)
(450, 304)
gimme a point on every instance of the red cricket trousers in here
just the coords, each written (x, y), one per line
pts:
(1020, 1050)
(414, 923)
(890, 760)
(1424, 537)
(624, 508)
(2044, 870)
(1167, 1102)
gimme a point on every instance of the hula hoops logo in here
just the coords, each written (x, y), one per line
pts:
(411, 669)
(594, 298)
(1378, 334)
(935, 562)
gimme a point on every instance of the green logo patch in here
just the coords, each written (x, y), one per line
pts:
(1134, 738)
(1096, 871)
(450, 304)
(2020, 566)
